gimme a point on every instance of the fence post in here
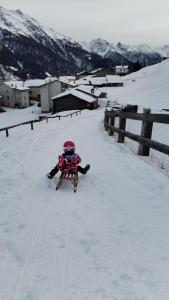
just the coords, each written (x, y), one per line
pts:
(146, 131)
(122, 125)
(106, 119)
(112, 120)
(7, 133)
(31, 125)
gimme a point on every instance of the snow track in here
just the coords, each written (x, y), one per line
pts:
(107, 241)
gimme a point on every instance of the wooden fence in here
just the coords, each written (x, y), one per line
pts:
(36, 121)
(144, 139)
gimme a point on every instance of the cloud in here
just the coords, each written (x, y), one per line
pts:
(114, 20)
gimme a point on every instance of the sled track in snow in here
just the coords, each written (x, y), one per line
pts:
(67, 239)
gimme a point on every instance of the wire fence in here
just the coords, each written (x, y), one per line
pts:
(160, 134)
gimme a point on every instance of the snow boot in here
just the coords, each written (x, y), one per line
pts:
(49, 176)
(86, 169)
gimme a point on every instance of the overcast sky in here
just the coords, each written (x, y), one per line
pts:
(128, 21)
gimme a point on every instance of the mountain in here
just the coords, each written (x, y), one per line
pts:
(28, 47)
(143, 54)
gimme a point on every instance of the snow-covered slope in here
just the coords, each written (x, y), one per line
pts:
(19, 23)
(164, 50)
(32, 48)
(147, 87)
(107, 241)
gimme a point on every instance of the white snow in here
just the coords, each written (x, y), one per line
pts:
(110, 239)
(15, 116)
(17, 84)
(107, 241)
(18, 23)
(147, 87)
(77, 93)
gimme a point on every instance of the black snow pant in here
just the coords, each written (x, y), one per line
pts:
(56, 169)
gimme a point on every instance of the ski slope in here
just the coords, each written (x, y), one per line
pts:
(107, 241)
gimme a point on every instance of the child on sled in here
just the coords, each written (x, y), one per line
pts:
(68, 161)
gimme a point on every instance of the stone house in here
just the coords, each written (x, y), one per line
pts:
(14, 94)
(43, 90)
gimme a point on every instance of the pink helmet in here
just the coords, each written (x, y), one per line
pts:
(69, 146)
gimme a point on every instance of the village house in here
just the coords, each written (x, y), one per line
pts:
(14, 94)
(67, 82)
(34, 86)
(97, 72)
(102, 72)
(75, 99)
(107, 81)
(43, 90)
(121, 70)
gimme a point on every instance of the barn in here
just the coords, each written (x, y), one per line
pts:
(74, 99)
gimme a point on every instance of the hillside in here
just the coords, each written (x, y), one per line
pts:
(29, 47)
(107, 241)
(143, 53)
(146, 88)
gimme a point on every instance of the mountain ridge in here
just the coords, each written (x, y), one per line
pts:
(142, 53)
(29, 47)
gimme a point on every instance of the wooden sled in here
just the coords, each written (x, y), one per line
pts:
(73, 177)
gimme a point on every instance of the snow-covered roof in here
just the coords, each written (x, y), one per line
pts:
(79, 94)
(71, 82)
(17, 84)
(121, 67)
(39, 82)
(113, 79)
(98, 80)
(95, 71)
(66, 79)
(88, 89)
(83, 72)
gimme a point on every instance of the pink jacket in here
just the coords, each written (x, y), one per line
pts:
(68, 162)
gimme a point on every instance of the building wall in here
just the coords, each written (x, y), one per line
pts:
(69, 102)
(8, 96)
(35, 93)
(12, 97)
(47, 92)
(121, 71)
(22, 99)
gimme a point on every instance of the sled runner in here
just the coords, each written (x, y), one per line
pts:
(72, 177)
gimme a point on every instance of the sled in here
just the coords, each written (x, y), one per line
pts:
(72, 177)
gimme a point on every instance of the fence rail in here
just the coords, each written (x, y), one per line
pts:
(37, 121)
(144, 139)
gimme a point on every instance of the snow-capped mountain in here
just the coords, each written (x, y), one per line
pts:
(144, 54)
(164, 51)
(30, 47)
